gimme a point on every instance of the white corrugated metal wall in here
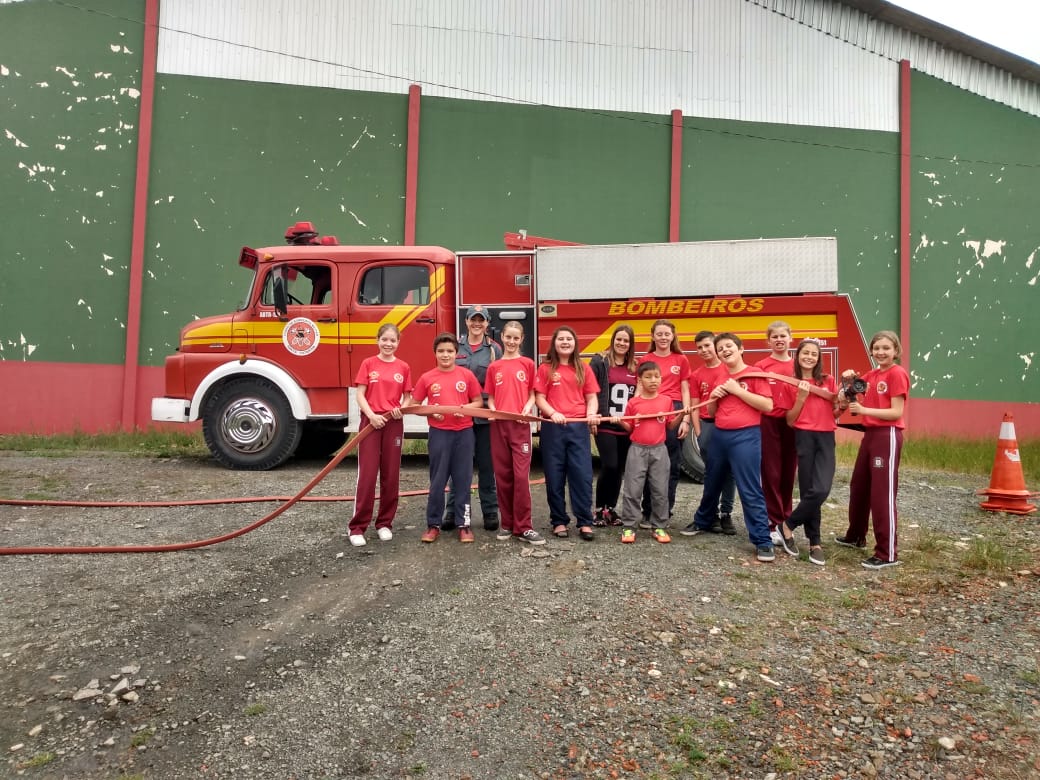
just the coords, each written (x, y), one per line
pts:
(810, 62)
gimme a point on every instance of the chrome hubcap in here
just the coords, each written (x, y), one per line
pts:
(248, 425)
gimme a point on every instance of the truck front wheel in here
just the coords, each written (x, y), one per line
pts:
(248, 424)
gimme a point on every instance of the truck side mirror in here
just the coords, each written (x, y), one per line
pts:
(280, 291)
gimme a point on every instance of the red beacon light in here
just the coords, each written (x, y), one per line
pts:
(328, 241)
(301, 234)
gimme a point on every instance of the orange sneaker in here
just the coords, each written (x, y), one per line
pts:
(432, 532)
(662, 536)
(628, 536)
(465, 534)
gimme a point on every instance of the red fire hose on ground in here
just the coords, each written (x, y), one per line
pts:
(348, 448)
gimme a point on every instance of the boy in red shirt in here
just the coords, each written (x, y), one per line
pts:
(737, 405)
(451, 435)
(647, 462)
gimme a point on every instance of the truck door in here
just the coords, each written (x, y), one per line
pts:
(405, 293)
(302, 338)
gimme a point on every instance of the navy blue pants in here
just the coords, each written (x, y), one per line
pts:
(567, 461)
(451, 455)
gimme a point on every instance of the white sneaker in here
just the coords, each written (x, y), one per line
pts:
(777, 537)
(358, 540)
(384, 534)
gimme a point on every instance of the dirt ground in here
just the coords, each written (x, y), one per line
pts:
(286, 653)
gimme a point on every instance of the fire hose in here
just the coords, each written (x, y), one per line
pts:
(301, 495)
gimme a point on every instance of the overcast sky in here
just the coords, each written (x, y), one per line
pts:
(1013, 25)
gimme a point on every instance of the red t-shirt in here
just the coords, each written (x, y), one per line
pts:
(732, 413)
(703, 381)
(454, 387)
(882, 387)
(675, 368)
(385, 382)
(650, 431)
(785, 367)
(817, 413)
(561, 389)
(509, 383)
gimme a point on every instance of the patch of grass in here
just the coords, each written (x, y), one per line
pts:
(417, 769)
(154, 443)
(142, 737)
(943, 453)
(1031, 676)
(255, 709)
(40, 759)
(990, 555)
(783, 761)
(755, 708)
(683, 730)
(857, 598)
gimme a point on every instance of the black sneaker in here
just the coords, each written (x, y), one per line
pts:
(716, 526)
(816, 556)
(764, 553)
(789, 544)
(448, 523)
(873, 562)
(491, 522)
(693, 529)
(845, 541)
(726, 524)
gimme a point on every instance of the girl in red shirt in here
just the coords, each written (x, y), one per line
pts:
(779, 454)
(813, 419)
(384, 384)
(875, 477)
(508, 385)
(565, 389)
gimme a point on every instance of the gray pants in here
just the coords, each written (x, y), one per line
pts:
(650, 466)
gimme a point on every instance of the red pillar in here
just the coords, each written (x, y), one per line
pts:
(150, 47)
(904, 210)
(674, 209)
(411, 184)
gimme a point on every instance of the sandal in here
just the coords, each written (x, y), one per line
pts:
(586, 533)
(560, 532)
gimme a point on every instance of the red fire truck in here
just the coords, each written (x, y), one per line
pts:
(276, 377)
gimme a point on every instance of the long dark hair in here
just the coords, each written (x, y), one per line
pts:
(817, 370)
(630, 356)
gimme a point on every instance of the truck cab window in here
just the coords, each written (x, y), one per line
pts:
(306, 285)
(395, 285)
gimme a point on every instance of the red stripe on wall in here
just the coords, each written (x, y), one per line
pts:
(904, 211)
(675, 207)
(411, 185)
(144, 155)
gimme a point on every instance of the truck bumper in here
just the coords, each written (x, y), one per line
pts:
(170, 409)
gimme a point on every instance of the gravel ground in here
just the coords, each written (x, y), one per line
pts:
(286, 653)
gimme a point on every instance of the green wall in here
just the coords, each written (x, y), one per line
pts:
(68, 130)
(584, 176)
(236, 163)
(753, 180)
(974, 322)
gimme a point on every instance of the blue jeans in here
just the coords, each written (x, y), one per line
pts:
(739, 452)
(567, 461)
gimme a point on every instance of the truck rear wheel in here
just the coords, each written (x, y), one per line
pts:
(690, 462)
(248, 425)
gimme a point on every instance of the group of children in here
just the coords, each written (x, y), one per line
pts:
(755, 426)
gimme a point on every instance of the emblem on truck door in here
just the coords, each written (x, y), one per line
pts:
(300, 336)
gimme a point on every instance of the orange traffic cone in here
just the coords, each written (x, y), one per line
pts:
(1007, 487)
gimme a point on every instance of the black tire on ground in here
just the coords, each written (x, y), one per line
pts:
(321, 440)
(247, 424)
(690, 461)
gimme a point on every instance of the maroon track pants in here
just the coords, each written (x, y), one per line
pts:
(379, 456)
(872, 492)
(779, 463)
(511, 457)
